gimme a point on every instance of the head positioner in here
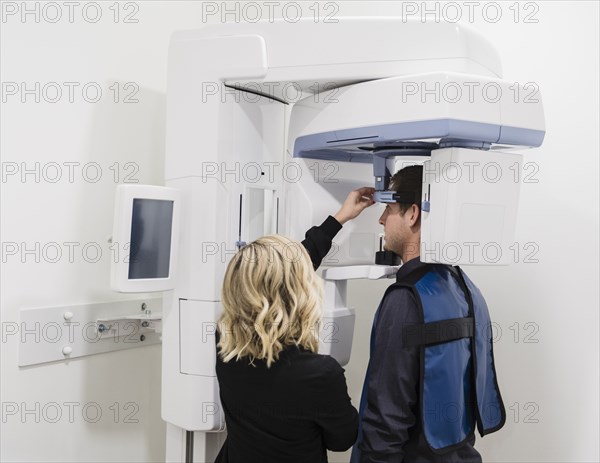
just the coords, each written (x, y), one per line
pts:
(383, 175)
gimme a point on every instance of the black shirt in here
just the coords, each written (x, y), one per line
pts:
(295, 410)
(291, 412)
(318, 240)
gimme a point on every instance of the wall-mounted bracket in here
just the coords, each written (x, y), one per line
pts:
(49, 334)
(147, 321)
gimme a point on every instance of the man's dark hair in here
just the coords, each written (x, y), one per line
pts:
(408, 181)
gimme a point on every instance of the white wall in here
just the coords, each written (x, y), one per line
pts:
(553, 380)
(80, 211)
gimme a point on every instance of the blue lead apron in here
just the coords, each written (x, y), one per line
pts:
(458, 381)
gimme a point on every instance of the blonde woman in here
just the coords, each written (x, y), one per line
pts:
(283, 402)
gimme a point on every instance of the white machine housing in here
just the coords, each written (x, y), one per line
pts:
(470, 186)
(252, 116)
(471, 199)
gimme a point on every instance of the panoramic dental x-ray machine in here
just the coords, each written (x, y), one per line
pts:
(269, 126)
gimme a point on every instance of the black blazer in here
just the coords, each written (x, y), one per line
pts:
(288, 413)
(295, 410)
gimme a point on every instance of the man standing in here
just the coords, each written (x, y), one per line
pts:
(431, 375)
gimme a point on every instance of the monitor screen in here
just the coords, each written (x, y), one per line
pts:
(146, 228)
(150, 243)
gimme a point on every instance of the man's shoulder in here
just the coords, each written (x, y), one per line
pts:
(405, 288)
(399, 303)
(399, 292)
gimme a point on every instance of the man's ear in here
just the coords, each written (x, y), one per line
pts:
(415, 214)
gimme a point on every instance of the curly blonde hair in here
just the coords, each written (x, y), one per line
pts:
(271, 299)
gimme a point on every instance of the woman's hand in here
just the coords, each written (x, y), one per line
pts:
(356, 202)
